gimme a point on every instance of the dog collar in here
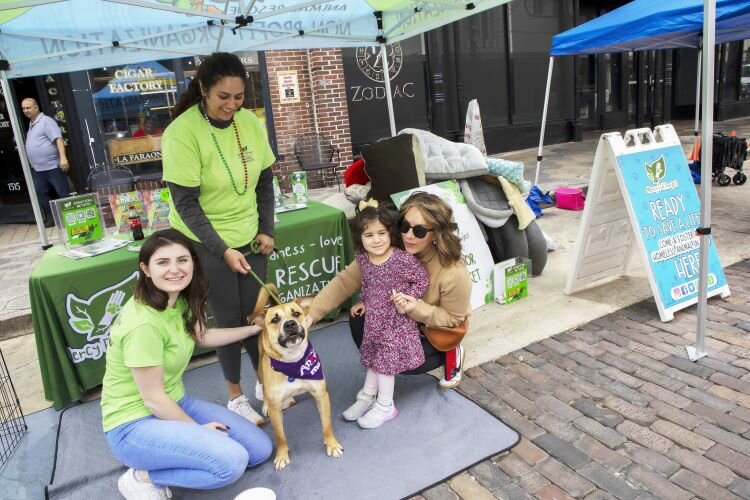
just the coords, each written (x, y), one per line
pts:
(308, 367)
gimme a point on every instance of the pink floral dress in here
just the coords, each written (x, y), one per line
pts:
(391, 340)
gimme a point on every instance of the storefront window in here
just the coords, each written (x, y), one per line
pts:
(133, 105)
(745, 72)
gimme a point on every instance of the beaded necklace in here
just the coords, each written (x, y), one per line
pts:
(221, 154)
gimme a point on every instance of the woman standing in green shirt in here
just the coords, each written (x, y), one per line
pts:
(164, 436)
(217, 163)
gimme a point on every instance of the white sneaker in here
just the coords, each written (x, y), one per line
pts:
(256, 494)
(363, 403)
(241, 406)
(377, 416)
(458, 372)
(259, 396)
(133, 489)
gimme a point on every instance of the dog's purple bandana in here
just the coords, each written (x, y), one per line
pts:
(307, 367)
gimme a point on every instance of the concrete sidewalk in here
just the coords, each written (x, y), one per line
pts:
(601, 390)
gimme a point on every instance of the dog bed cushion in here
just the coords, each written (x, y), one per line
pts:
(444, 159)
(486, 201)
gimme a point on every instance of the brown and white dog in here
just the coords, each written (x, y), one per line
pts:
(289, 366)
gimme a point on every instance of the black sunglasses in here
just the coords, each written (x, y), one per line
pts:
(419, 230)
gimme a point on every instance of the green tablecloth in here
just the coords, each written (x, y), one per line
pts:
(74, 302)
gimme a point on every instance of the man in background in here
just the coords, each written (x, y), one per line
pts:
(46, 150)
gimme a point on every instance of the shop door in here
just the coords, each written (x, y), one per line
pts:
(15, 205)
(646, 88)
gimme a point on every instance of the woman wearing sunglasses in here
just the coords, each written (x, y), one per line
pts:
(428, 233)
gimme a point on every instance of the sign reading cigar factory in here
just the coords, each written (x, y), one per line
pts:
(138, 79)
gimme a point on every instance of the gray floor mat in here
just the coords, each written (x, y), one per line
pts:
(436, 434)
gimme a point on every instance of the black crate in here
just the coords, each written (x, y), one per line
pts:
(12, 424)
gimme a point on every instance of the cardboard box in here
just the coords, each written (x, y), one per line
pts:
(511, 278)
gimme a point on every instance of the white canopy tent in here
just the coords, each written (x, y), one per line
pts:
(666, 24)
(40, 37)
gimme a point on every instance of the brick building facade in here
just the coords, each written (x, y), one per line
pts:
(323, 100)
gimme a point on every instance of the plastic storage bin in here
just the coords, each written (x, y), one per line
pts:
(570, 198)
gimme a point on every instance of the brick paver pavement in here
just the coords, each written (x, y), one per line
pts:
(614, 409)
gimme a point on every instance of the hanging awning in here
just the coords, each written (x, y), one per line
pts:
(56, 36)
(653, 24)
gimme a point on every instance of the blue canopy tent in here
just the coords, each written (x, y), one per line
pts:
(39, 37)
(665, 24)
(647, 25)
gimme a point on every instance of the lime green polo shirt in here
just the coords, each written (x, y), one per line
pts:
(141, 337)
(190, 158)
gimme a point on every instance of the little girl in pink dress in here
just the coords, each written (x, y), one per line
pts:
(391, 342)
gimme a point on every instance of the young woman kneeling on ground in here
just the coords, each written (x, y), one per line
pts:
(164, 436)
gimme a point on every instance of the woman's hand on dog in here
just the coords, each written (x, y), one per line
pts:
(236, 261)
(217, 426)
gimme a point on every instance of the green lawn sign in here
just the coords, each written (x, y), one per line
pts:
(80, 219)
(511, 280)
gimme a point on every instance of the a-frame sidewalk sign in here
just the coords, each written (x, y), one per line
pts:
(642, 195)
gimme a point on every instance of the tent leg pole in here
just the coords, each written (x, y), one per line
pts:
(696, 130)
(709, 37)
(387, 81)
(25, 165)
(544, 121)
(312, 93)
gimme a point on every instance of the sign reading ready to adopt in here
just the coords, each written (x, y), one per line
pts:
(665, 211)
(642, 199)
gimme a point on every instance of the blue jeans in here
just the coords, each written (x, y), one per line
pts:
(46, 179)
(177, 453)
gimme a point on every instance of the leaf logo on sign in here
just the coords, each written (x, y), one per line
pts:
(657, 170)
(93, 317)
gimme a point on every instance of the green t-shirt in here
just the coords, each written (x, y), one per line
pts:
(140, 337)
(191, 159)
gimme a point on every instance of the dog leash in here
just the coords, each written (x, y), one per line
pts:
(255, 249)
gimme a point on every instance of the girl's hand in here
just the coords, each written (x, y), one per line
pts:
(266, 243)
(236, 261)
(404, 303)
(217, 426)
(357, 309)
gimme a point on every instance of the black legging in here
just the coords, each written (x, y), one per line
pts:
(432, 357)
(231, 298)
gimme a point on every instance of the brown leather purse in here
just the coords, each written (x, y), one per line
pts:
(446, 338)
